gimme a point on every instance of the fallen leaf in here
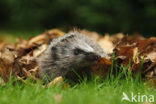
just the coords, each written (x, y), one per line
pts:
(2, 82)
(58, 98)
(132, 49)
(102, 68)
(106, 44)
(40, 50)
(56, 81)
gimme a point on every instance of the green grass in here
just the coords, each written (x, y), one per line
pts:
(92, 92)
(95, 91)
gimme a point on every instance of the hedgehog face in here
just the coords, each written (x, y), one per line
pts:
(76, 54)
(83, 57)
(83, 54)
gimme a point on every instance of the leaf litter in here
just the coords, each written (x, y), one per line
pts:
(19, 59)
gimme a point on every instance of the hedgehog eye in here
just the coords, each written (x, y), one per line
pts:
(77, 51)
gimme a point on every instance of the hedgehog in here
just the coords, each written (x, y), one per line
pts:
(70, 56)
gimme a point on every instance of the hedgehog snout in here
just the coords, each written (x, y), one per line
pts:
(92, 57)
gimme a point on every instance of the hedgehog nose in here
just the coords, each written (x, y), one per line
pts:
(92, 57)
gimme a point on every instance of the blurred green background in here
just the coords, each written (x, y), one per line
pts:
(104, 16)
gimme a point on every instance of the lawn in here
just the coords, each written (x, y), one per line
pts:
(95, 91)
(91, 92)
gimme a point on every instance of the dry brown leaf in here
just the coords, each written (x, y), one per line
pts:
(2, 45)
(55, 32)
(106, 43)
(58, 98)
(102, 67)
(151, 56)
(40, 39)
(21, 43)
(7, 56)
(40, 50)
(135, 55)
(93, 35)
(35, 72)
(66, 85)
(46, 37)
(2, 82)
(56, 81)
(27, 73)
(7, 60)
(116, 38)
(137, 47)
